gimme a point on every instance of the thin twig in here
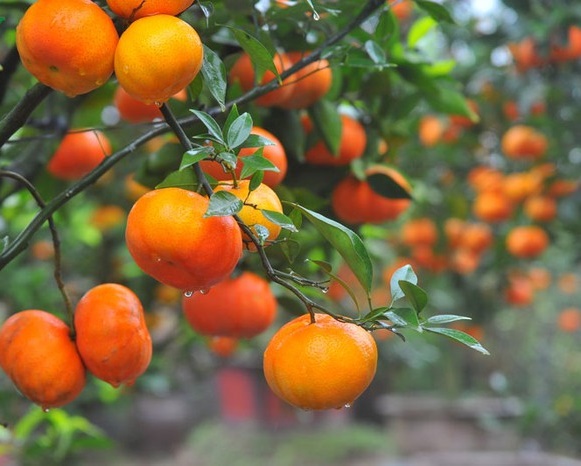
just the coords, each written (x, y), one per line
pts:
(55, 241)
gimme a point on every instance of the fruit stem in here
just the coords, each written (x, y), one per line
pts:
(55, 241)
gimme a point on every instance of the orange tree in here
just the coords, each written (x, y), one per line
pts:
(335, 82)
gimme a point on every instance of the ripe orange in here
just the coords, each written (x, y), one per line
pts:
(112, 337)
(275, 153)
(136, 111)
(464, 260)
(569, 319)
(242, 72)
(402, 10)
(540, 277)
(321, 365)
(135, 9)
(67, 44)
(308, 85)
(485, 178)
(41, 359)
(492, 206)
(419, 231)
(171, 240)
(351, 146)
(525, 54)
(431, 130)
(527, 241)
(158, 56)
(107, 217)
(519, 291)
(239, 307)
(540, 208)
(223, 346)
(524, 142)
(79, 153)
(262, 198)
(355, 202)
(476, 237)
(520, 185)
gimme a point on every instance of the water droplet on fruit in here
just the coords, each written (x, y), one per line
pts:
(82, 72)
(188, 294)
(99, 82)
(158, 104)
(325, 289)
(347, 405)
(45, 410)
(126, 69)
(205, 290)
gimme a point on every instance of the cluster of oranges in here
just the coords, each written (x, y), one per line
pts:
(47, 361)
(526, 53)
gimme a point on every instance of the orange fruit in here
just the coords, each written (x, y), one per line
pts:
(464, 260)
(519, 291)
(170, 239)
(540, 208)
(107, 217)
(476, 237)
(223, 346)
(321, 365)
(67, 44)
(454, 229)
(527, 241)
(351, 146)
(402, 9)
(262, 198)
(419, 231)
(540, 278)
(239, 307)
(274, 153)
(41, 359)
(431, 130)
(492, 206)
(42, 250)
(135, 9)
(158, 56)
(308, 85)
(525, 54)
(136, 111)
(484, 178)
(520, 185)
(242, 72)
(112, 337)
(524, 142)
(355, 202)
(569, 319)
(562, 188)
(78, 154)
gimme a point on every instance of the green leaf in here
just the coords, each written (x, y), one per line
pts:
(386, 186)
(232, 115)
(417, 297)
(406, 274)
(444, 319)
(255, 140)
(256, 162)
(375, 52)
(239, 130)
(327, 122)
(404, 317)
(211, 124)
(346, 242)
(223, 203)
(256, 180)
(195, 155)
(419, 29)
(450, 101)
(460, 337)
(280, 219)
(185, 179)
(436, 11)
(259, 55)
(214, 74)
